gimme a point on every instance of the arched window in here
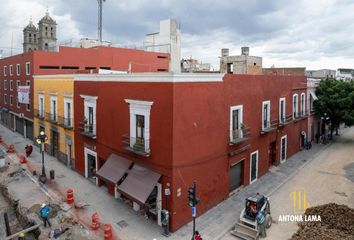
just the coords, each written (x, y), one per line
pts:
(30, 49)
(30, 35)
(46, 28)
(46, 46)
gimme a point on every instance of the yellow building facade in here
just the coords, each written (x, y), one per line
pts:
(54, 114)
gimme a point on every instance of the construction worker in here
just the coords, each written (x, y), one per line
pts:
(21, 236)
(261, 219)
(44, 211)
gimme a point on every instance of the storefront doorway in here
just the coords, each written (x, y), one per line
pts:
(90, 165)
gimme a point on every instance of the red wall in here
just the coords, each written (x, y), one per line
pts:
(114, 58)
(190, 130)
(18, 59)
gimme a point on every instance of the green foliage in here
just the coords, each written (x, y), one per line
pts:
(336, 100)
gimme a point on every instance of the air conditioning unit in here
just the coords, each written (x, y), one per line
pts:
(21, 115)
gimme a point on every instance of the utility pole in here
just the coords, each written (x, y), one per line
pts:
(100, 10)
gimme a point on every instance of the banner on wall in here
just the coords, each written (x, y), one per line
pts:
(23, 94)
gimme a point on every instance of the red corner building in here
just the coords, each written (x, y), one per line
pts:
(139, 134)
(18, 70)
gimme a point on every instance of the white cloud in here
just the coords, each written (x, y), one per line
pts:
(315, 34)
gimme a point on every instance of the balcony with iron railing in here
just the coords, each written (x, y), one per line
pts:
(301, 115)
(65, 122)
(51, 117)
(240, 135)
(269, 126)
(38, 113)
(139, 146)
(87, 129)
(285, 120)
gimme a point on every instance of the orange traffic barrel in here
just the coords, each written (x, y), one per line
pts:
(70, 196)
(11, 149)
(107, 232)
(95, 221)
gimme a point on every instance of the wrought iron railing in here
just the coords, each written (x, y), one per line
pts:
(87, 129)
(269, 126)
(240, 135)
(38, 113)
(139, 146)
(51, 117)
(65, 122)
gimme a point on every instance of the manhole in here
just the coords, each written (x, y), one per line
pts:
(122, 224)
(61, 176)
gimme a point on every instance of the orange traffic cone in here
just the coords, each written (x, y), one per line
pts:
(23, 159)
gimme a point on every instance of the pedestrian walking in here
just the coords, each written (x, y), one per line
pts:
(44, 212)
(197, 236)
(261, 219)
(29, 150)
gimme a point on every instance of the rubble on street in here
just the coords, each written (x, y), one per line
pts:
(21, 198)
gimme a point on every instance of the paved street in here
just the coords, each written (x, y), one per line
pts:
(328, 177)
(215, 224)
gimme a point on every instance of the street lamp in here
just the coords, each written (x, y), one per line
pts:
(41, 140)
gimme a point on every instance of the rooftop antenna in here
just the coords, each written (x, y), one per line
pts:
(100, 8)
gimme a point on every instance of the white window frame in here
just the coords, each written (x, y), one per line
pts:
(28, 68)
(28, 83)
(137, 107)
(18, 69)
(257, 153)
(90, 101)
(52, 110)
(303, 104)
(296, 110)
(240, 109)
(18, 103)
(5, 98)
(281, 148)
(11, 100)
(40, 110)
(11, 70)
(28, 107)
(5, 84)
(18, 83)
(282, 99)
(268, 114)
(68, 100)
(93, 153)
(5, 71)
(11, 85)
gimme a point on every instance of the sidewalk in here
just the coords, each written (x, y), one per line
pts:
(129, 225)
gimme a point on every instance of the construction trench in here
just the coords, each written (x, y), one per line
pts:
(20, 201)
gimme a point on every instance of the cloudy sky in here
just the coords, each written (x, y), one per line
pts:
(309, 33)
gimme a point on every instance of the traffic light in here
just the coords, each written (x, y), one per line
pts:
(191, 196)
(196, 200)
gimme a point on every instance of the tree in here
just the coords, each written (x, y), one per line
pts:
(336, 102)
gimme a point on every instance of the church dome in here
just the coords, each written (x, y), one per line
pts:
(47, 19)
(30, 26)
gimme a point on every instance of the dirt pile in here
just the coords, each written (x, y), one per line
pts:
(337, 223)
